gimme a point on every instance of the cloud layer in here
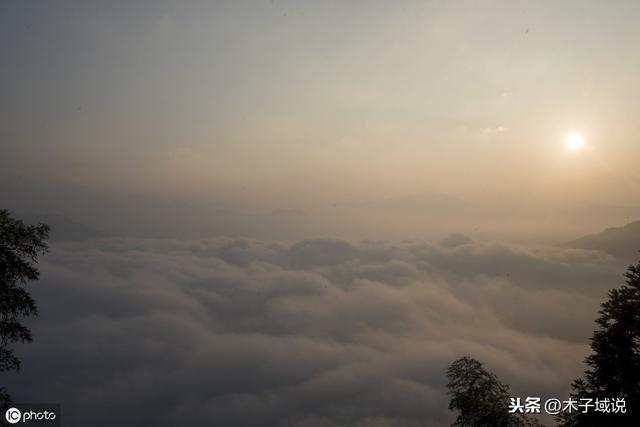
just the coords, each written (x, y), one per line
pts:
(320, 333)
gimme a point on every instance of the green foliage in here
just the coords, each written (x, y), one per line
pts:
(614, 365)
(480, 398)
(20, 245)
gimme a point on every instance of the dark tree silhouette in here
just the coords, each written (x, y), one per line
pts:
(20, 245)
(480, 398)
(614, 365)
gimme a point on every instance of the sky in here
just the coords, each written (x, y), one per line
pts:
(275, 104)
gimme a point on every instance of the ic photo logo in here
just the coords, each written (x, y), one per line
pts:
(13, 415)
(34, 415)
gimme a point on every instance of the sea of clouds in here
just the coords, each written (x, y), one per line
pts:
(318, 333)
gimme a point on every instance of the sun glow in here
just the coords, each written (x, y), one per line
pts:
(573, 141)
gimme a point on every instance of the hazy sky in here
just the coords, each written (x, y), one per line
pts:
(290, 103)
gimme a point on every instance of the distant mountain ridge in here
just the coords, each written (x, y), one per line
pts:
(423, 215)
(423, 202)
(62, 228)
(623, 242)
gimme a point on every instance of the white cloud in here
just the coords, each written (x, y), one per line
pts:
(320, 333)
(496, 129)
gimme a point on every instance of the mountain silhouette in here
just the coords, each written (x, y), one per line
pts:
(62, 228)
(622, 242)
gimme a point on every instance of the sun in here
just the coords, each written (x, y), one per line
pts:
(574, 141)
